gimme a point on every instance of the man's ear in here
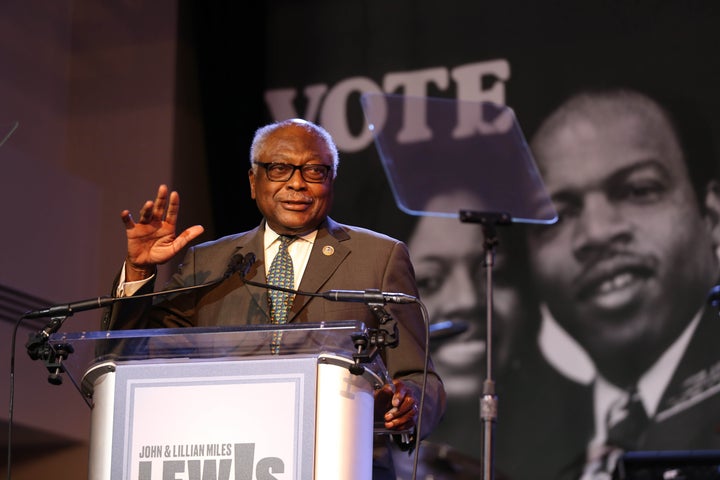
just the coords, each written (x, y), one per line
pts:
(712, 210)
(251, 178)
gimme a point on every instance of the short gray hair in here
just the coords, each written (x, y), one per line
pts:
(262, 133)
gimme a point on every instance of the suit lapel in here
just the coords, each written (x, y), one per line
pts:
(696, 377)
(253, 244)
(327, 254)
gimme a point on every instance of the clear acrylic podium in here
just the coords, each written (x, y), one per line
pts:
(214, 403)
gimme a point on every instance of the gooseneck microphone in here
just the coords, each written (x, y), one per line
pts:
(59, 313)
(368, 343)
(69, 308)
(243, 264)
(237, 264)
(367, 296)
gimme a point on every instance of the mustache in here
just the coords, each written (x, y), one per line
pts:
(610, 263)
(299, 198)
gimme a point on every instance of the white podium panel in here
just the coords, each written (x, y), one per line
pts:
(219, 419)
(168, 406)
(345, 407)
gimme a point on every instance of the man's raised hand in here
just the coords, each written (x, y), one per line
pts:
(153, 240)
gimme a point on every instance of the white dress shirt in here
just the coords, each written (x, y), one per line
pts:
(565, 354)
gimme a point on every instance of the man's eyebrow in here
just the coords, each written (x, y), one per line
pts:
(433, 257)
(647, 164)
(568, 194)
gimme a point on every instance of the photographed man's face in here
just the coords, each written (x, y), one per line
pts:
(631, 259)
(449, 258)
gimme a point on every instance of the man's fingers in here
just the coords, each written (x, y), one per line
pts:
(127, 219)
(401, 393)
(188, 236)
(398, 420)
(404, 411)
(155, 211)
(158, 211)
(407, 406)
(173, 208)
(146, 212)
(404, 406)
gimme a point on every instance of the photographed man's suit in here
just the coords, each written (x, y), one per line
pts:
(688, 416)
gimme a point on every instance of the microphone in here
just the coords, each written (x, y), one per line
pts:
(242, 265)
(238, 263)
(37, 340)
(368, 343)
(70, 308)
(368, 296)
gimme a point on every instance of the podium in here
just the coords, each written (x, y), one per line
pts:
(215, 404)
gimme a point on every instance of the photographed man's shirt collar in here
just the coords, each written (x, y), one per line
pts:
(571, 360)
(567, 356)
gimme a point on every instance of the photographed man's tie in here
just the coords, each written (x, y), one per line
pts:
(626, 423)
(626, 420)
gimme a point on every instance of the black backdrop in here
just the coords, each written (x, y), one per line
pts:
(228, 41)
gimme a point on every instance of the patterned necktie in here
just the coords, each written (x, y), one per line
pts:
(280, 275)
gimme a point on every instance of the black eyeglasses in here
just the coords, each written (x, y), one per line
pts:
(282, 172)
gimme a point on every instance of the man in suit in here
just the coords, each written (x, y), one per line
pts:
(627, 269)
(293, 168)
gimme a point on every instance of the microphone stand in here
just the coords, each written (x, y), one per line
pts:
(386, 336)
(38, 347)
(370, 342)
(489, 400)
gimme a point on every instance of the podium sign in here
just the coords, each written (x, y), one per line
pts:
(170, 419)
(215, 404)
